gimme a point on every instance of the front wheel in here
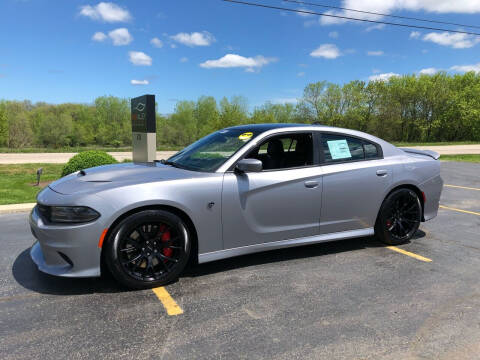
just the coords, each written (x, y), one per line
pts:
(399, 217)
(148, 249)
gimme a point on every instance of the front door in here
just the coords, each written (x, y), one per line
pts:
(281, 202)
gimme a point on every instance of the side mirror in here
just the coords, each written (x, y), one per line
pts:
(249, 165)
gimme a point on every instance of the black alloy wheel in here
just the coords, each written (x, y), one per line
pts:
(148, 249)
(399, 217)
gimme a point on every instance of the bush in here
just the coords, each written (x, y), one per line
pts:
(87, 159)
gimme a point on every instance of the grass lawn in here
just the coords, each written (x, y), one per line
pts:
(464, 158)
(16, 181)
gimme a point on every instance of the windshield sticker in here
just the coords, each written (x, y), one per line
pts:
(339, 149)
(245, 136)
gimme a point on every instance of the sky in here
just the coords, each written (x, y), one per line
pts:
(74, 51)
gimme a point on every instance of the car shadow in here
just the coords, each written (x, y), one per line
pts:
(300, 252)
(28, 276)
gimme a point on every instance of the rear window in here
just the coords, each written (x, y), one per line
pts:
(340, 148)
(371, 150)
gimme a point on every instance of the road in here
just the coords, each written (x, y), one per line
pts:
(353, 299)
(60, 158)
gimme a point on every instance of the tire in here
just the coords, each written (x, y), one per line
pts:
(399, 217)
(148, 249)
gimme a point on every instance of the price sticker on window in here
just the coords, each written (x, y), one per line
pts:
(339, 149)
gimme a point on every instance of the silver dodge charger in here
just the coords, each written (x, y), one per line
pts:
(238, 191)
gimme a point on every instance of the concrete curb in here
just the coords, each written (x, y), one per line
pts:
(15, 208)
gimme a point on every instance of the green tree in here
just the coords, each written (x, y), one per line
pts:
(55, 130)
(206, 116)
(3, 125)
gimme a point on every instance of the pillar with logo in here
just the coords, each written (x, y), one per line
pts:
(144, 129)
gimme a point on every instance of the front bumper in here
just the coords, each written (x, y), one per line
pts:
(66, 250)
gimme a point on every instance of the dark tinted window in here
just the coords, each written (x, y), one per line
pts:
(371, 150)
(285, 151)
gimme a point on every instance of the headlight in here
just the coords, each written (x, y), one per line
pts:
(68, 214)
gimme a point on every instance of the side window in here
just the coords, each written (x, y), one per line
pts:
(371, 150)
(339, 148)
(285, 151)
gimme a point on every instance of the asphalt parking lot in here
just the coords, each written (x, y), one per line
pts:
(354, 299)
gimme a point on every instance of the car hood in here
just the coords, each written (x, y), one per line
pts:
(108, 176)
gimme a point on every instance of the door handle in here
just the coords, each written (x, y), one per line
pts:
(311, 184)
(382, 172)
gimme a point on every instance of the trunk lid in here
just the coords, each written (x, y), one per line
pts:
(432, 154)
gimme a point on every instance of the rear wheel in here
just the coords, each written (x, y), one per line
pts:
(148, 249)
(399, 217)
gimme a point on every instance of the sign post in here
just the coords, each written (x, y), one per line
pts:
(144, 128)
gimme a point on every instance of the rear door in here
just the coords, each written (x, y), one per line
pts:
(281, 202)
(355, 179)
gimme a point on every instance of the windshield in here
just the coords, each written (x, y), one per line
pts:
(210, 152)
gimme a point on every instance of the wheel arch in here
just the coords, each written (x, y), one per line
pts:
(412, 187)
(180, 213)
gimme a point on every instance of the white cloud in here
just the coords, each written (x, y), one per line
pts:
(302, 14)
(194, 39)
(184, 59)
(375, 53)
(120, 37)
(232, 61)
(466, 68)
(139, 82)
(389, 6)
(139, 58)
(301, 74)
(454, 40)
(333, 34)
(383, 77)
(99, 36)
(106, 11)
(327, 51)
(428, 71)
(375, 27)
(156, 42)
(415, 35)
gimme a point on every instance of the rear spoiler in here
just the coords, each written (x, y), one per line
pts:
(432, 154)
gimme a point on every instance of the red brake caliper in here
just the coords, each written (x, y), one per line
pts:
(166, 237)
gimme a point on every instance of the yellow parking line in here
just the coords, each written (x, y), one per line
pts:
(170, 305)
(462, 187)
(408, 253)
(460, 210)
